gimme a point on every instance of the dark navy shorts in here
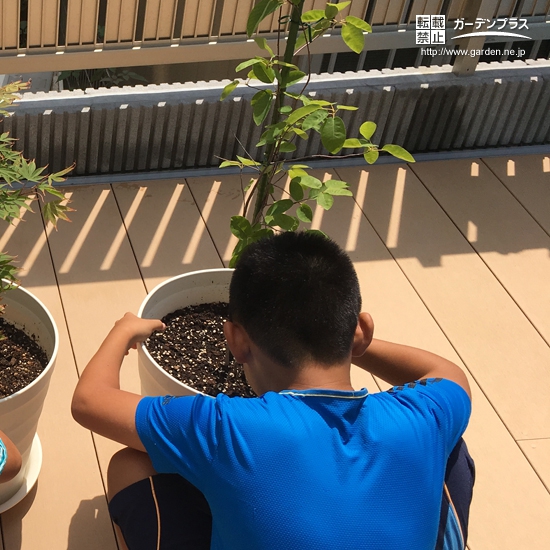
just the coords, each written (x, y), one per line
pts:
(166, 512)
(162, 512)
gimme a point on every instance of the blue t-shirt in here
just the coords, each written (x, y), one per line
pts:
(313, 469)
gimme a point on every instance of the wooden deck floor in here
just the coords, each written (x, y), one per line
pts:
(452, 256)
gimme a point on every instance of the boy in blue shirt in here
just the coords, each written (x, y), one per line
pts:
(309, 464)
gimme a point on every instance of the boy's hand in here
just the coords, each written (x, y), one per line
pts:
(133, 329)
(98, 402)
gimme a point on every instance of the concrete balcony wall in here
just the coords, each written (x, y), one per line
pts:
(179, 126)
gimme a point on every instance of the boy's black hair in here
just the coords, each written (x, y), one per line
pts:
(297, 296)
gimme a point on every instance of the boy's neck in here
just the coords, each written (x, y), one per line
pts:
(321, 377)
(311, 376)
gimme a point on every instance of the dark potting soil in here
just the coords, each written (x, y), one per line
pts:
(21, 359)
(193, 350)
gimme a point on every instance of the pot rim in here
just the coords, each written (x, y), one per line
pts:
(53, 357)
(154, 291)
(177, 277)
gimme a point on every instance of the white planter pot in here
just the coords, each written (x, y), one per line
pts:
(19, 413)
(196, 287)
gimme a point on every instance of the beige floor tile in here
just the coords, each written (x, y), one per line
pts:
(165, 228)
(528, 179)
(68, 508)
(513, 245)
(538, 453)
(219, 198)
(98, 281)
(469, 304)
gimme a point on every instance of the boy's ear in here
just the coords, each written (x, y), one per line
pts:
(237, 340)
(363, 334)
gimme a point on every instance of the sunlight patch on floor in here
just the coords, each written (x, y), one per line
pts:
(471, 233)
(193, 245)
(396, 207)
(357, 214)
(86, 228)
(161, 228)
(121, 234)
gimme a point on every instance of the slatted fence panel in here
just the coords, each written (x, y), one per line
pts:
(186, 126)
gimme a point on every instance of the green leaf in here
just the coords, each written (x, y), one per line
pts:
(296, 190)
(317, 232)
(367, 129)
(352, 143)
(54, 211)
(237, 251)
(371, 156)
(342, 5)
(359, 23)
(340, 192)
(336, 184)
(300, 133)
(58, 176)
(331, 11)
(260, 234)
(314, 120)
(262, 42)
(305, 213)
(398, 152)
(261, 10)
(226, 163)
(261, 104)
(240, 227)
(333, 134)
(248, 162)
(296, 171)
(279, 207)
(228, 89)
(353, 37)
(347, 107)
(320, 102)
(288, 223)
(324, 200)
(337, 187)
(292, 77)
(284, 64)
(249, 63)
(263, 73)
(312, 16)
(301, 112)
(287, 147)
(285, 109)
(311, 182)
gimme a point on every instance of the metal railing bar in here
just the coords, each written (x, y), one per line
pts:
(174, 16)
(385, 19)
(405, 12)
(216, 17)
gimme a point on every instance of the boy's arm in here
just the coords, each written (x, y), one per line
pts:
(98, 402)
(398, 364)
(13, 462)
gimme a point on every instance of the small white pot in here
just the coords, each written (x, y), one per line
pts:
(19, 412)
(196, 287)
